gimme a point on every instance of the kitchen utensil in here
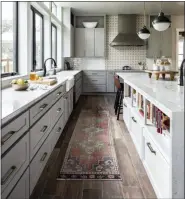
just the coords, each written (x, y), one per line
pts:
(89, 24)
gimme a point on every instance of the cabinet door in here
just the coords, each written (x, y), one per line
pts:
(110, 81)
(99, 42)
(154, 48)
(80, 42)
(89, 42)
(167, 43)
(21, 191)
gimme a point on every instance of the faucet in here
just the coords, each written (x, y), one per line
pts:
(55, 65)
(182, 73)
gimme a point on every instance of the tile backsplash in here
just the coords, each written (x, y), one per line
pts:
(116, 57)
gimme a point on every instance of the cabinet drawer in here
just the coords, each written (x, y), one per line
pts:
(57, 131)
(56, 111)
(21, 190)
(78, 93)
(95, 73)
(96, 88)
(14, 163)
(94, 80)
(157, 168)
(39, 132)
(137, 134)
(42, 106)
(14, 130)
(38, 163)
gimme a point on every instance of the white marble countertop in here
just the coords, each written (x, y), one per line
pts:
(15, 102)
(166, 95)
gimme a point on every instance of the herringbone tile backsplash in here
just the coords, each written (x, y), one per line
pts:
(116, 57)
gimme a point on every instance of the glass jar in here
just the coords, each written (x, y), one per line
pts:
(32, 76)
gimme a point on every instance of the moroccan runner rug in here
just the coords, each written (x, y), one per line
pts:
(91, 154)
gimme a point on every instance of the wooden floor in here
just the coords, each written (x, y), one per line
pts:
(135, 183)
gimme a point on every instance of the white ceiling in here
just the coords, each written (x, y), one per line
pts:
(114, 8)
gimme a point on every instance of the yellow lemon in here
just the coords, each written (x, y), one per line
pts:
(14, 81)
(36, 77)
(20, 81)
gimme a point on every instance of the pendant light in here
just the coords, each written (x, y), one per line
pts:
(161, 22)
(144, 33)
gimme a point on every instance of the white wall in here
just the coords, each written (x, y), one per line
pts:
(177, 22)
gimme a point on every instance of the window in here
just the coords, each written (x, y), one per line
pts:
(180, 48)
(54, 8)
(47, 3)
(9, 35)
(38, 40)
(54, 42)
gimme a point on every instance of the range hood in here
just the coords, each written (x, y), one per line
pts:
(127, 35)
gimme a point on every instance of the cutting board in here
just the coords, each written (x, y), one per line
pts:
(48, 82)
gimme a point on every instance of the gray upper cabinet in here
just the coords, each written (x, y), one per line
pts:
(159, 43)
(80, 42)
(99, 42)
(89, 42)
(167, 43)
(153, 44)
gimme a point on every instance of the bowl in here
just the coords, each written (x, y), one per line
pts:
(18, 87)
(90, 24)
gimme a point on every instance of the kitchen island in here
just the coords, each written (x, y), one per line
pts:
(161, 148)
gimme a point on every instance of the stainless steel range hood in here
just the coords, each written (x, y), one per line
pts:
(127, 35)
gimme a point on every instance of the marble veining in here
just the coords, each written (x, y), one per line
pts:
(15, 102)
(167, 95)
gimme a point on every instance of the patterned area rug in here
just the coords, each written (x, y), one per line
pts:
(91, 153)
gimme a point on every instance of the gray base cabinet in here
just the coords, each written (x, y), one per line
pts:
(110, 82)
(94, 81)
(78, 87)
(25, 153)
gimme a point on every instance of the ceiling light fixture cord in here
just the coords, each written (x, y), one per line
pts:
(144, 14)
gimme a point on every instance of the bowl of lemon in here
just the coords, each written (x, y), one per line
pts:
(20, 84)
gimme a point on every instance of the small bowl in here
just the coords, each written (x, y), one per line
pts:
(17, 87)
(90, 24)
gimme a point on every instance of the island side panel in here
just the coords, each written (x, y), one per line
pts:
(177, 155)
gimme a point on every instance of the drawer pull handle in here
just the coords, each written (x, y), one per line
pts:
(6, 137)
(125, 105)
(43, 106)
(44, 129)
(59, 93)
(94, 73)
(134, 119)
(150, 147)
(7, 175)
(58, 110)
(94, 80)
(43, 157)
(59, 129)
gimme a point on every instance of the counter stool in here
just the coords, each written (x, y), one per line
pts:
(118, 104)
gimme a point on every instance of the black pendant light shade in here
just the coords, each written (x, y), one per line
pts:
(144, 33)
(161, 22)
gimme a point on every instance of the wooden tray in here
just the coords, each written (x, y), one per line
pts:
(48, 82)
(163, 73)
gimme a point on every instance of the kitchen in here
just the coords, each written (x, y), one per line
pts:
(92, 100)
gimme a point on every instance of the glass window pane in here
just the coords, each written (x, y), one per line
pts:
(54, 42)
(47, 3)
(54, 8)
(38, 39)
(8, 47)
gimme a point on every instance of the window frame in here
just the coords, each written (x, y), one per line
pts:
(15, 43)
(52, 8)
(34, 12)
(54, 26)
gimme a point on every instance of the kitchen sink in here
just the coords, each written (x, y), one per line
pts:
(69, 83)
